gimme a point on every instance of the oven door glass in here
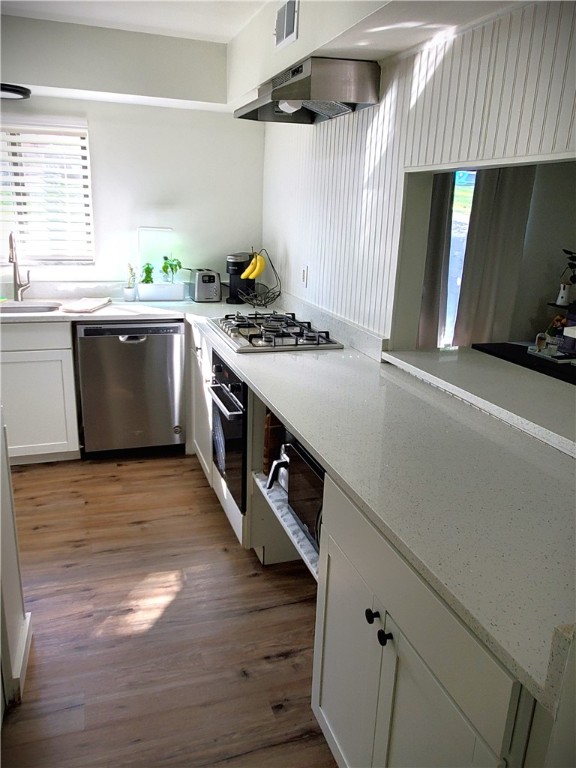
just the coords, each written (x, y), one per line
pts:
(229, 445)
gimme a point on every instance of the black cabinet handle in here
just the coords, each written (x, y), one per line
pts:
(383, 637)
(371, 615)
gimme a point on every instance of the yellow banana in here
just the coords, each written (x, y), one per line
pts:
(260, 267)
(250, 268)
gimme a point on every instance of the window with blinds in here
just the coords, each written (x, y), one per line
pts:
(46, 197)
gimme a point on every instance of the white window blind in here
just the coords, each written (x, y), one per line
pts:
(46, 196)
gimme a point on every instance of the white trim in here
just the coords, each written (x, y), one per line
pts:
(493, 163)
(15, 120)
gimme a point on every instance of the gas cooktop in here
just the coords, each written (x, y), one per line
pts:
(271, 332)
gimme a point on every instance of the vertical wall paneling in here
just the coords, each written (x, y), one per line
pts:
(352, 192)
(436, 90)
(459, 96)
(357, 299)
(529, 94)
(521, 73)
(379, 133)
(545, 65)
(452, 115)
(498, 78)
(444, 100)
(481, 89)
(509, 84)
(565, 112)
(499, 93)
(486, 84)
(557, 83)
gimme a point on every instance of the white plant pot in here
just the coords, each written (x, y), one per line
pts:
(161, 291)
(563, 295)
(130, 294)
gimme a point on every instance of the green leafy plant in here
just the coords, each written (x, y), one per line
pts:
(131, 282)
(147, 270)
(170, 267)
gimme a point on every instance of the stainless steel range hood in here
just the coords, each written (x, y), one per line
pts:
(315, 90)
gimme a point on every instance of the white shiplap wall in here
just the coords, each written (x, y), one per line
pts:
(498, 93)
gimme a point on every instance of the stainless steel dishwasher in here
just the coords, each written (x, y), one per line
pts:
(131, 385)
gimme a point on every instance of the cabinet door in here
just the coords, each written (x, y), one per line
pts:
(423, 728)
(39, 402)
(346, 660)
(201, 408)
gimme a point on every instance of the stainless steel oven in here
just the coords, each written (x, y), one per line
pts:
(302, 478)
(229, 429)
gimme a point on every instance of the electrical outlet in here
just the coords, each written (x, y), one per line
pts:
(304, 275)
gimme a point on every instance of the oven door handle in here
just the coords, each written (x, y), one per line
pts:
(229, 415)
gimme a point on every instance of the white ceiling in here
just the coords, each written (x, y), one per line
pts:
(397, 26)
(404, 24)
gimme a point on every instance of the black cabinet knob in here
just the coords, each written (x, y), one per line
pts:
(383, 637)
(371, 615)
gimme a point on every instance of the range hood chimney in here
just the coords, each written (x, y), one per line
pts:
(315, 90)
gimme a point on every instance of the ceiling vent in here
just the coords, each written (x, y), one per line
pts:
(287, 23)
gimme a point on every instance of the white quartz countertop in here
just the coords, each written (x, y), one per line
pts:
(540, 405)
(119, 311)
(482, 510)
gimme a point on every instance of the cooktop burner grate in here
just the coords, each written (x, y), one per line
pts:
(272, 332)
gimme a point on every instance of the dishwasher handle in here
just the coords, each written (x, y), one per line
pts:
(132, 339)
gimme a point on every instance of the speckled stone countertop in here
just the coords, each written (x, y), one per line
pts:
(117, 311)
(483, 511)
(540, 405)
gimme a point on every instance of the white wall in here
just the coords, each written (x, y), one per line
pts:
(53, 54)
(551, 227)
(197, 172)
(253, 57)
(500, 93)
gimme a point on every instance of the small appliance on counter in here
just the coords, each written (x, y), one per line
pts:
(205, 285)
(236, 263)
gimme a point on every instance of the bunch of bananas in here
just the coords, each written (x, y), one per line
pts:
(255, 268)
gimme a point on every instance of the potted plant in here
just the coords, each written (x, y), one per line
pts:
(170, 267)
(148, 290)
(147, 270)
(130, 287)
(564, 294)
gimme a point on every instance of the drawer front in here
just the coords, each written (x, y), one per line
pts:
(17, 337)
(474, 678)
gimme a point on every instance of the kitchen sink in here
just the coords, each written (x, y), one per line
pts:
(27, 307)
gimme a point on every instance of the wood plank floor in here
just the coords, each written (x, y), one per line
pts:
(158, 640)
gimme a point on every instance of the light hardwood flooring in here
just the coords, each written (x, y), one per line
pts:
(158, 640)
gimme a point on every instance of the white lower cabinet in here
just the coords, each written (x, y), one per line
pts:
(16, 622)
(398, 679)
(201, 403)
(38, 392)
(418, 723)
(346, 661)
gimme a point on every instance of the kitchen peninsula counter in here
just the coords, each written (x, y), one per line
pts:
(538, 404)
(482, 510)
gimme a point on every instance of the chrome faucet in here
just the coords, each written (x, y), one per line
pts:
(19, 286)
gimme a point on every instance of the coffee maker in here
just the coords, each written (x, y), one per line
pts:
(236, 263)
